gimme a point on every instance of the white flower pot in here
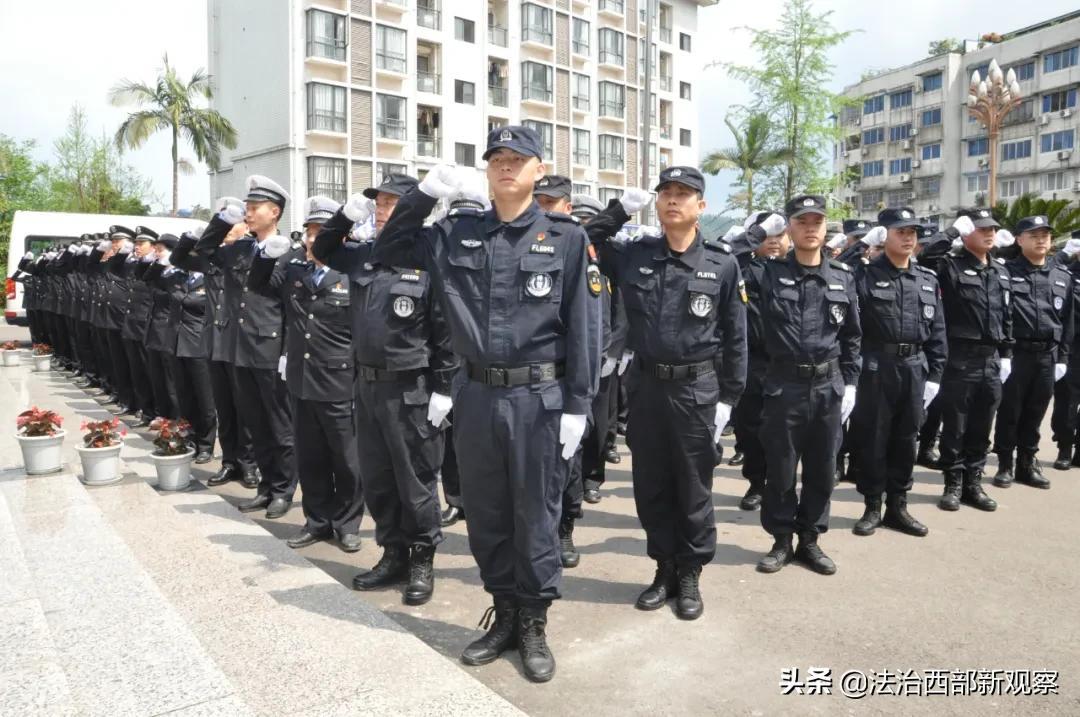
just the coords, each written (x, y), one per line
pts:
(11, 357)
(101, 466)
(42, 363)
(173, 472)
(42, 454)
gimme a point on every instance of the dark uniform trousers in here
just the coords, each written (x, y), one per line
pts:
(84, 337)
(587, 466)
(931, 424)
(747, 416)
(327, 456)
(886, 420)
(1024, 399)
(141, 388)
(970, 394)
(263, 401)
(121, 369)
(451, 475)
(107, 367)
(197, 400)
(161, 368)
(233, 435)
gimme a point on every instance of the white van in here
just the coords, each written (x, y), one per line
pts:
(33, 231)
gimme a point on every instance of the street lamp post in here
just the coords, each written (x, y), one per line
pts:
(990, 100)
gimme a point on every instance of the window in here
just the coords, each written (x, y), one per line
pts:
(978, 182)
(900, 166)
(535, 24)
(873, 169)
(978, 147)
(874, 135)
(465, 154)
(1025, 71)
(581, 147)
(931, 82)
(612, 100)
(611, 47)
(684, 90)
(546, 133)
(872, 201)
(1057, 141)
(582, 189)
(899, 132)
(390, 49)
(1013, 187)
(898, 198)
(929, 187)
(609, 193)
(495, 123)
(1055, 181)
(581, 36)
(385, 169)
(900, 99)
(428, 15)
(535, 81)
(1024, 112)
(684, 42)
(873, 104)
(390, 117)
(325, 107)
(931, 151)
(684, 137)
(1056, 101)
(464, 92)
(1021, 149)
(611, 152)
(582, 92)
(983, 70)
(615, 6)
(326, 176)
(325, 35)
(464, 30)
(931, 117)
(1061, 59)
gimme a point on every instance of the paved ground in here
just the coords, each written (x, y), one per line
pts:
(981, 592)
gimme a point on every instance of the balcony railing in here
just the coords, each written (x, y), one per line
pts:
(390, 129)
(665, 131)
(535, 92)
(581, 103)
(665, 84)
(536, 34)
(428, 17)
(581, 156)
(498, 36)
(581, 47)
(335, 191)
(611, 161)
(609, 57)
(429, 82)
(612, 109)
(500, 96)
(612, 6)
(330, 49)
(392, 61)
(427, 145)
(326, 120)
(665, 34)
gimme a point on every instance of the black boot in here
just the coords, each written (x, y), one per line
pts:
(500, 636)
(898, 518)
(752, 499)
(1029, 472)
(950, 499)
(812, 556)
(664, 585)
(1064, 457)
(689, 605)
(780, 555)
(567, 552)
(871, 517)
(1004, 476)
(451, 515)
(421, 575)
(392, 567)
(973, 493)
(1076, 456)
(536, 657)
(928, 456)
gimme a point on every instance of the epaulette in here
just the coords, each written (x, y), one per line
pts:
(299, 261)
(718, 245)
(465, 212)
(560, 217)
(999, 260)
(839, 265)
(927, 269)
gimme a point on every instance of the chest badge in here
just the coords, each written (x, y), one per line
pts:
(928, 311)
(539, 285)
(541, 236)
(882, 284)
(1058, 303)
(404, 307)
(339, 289)
(595, 284)
(837, 312)
(700, 305)
(471, 243)
(645, 271)
(297, 284)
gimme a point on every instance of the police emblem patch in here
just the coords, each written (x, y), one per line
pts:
(538, 285)
(506, 136)
(676, 173)
(470, 243)
(595, 284)
(837, 312)
(928, 311)
(645, 270)
(882, 284)
(700, 305)
(404, 307)
(1058, 303)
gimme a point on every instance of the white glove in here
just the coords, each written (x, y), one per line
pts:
(624, 362)
(964, 225)
(85, 250)
(723, 414)
(774, 225)
(836, 241)
(875, 237)
(1071, 247)
(731, 233)
(29, 256)
(276, 246)
(957, 243)
(649, 231)
(1004, 238)
(929, 393)
(1059, 371)
(608, 367)
(439, 406)
(472, 189)
(164, 259)
(748, 222)
(232, 210)
(281, 363)
(442, 182)
(72, 249)
(148, 258)
(363, 232)
(1006, 369)
(571, 429)
(847, 403)
(358, 208)
(633, 199)
(127, 247)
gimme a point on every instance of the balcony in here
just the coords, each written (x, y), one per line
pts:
(391, 62)
(665, 131)
(611, 162)
(429, 82)
(613, 110)
(581, 48)
(581, 157)
(665, 35)
(607, 57)
(665, 84)
(325, 121)
(391, 129)
(581, 104)
(498, 36)
(536, 35)
(428, 17)
(614, 7)
(499, 96)
(326, 49)
(427, 145)
(535, 93)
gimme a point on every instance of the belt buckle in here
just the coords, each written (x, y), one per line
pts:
(904, 350)
(805, 370)
(664, 371)
(495, 376)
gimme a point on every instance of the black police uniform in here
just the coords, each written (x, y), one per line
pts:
(89, 368)
(160, 340)
(1064, 419)
(140, 300)
(115, 298)
(194, 387)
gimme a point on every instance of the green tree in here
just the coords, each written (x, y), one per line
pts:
(941, 47)
(22, 186)
(171, 105)
(789, 80)
(753, 152)
(1063, 215)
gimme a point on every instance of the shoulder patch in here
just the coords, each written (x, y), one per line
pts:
(560, 217)
(718, 245)
(839, 265)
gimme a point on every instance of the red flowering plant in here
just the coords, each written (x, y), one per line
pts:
(42, 350)
(9, 346)
(172, 438)
(37, 422)
(102, 434)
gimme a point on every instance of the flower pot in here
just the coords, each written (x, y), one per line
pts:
(101, 466)
(173, 472)
(11, 357)
(42, 363)
(42, 454)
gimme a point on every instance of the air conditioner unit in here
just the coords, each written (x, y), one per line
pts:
(916, 163)
(983, 162)
(1076, 186)
(907, 144)
(905, 179)
(1044, 120)
(914, 132)
(1064, 155)
(1066, 113)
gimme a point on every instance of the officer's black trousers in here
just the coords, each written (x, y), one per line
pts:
(264, 410)
(400, 457)
(233, 437)
(121, 374)
(162, 369)
(512, 479)
(140, 377)
(931, 425)
(670, 434)
(613, 411)
(1064, 420)
(83, 337)
(885, 423)
(101, 350)
(747, 418)
(800, 422)
(71, 338)
(328, 463)
(970, 393)
(1024, 400)
(587, 465)
(197, 400)
(451, 476)
(61, 347)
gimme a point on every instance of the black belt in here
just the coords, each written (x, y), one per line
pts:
(901, 350)
(673, 372)
(371, 373)
(972, 348)
(806, 371)
(508, 376)
(1036, 346)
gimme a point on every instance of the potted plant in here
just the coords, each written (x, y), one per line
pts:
(100, 452)
(42, 357)
(41, 440)
(10, 352)
(173, 454)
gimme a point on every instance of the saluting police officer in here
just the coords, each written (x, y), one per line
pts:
(1064, 420)
(138, 255)
(903, 355)
(161, 330)
(811, 327)
(116, 310)
(1041, 300)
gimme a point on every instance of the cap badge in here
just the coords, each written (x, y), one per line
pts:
(544, 182)
(506, 136)
(676, 173)
(808, 202)
(1038, 220)
(905, 214)
(984, 213)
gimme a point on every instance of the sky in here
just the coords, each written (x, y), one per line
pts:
(40, 80)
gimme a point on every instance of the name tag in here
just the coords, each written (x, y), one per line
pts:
(786, 281)
(1059, 283)
(542, 249)
(706, 275)
(924, 287)
(1019, 278)
(970, 272)
(836, 287)
(410, 277)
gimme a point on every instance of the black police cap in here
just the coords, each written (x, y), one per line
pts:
(169, 240)
(805, 204)
(979, 216)
(687, 176)
(116, 231)
(925, 232)
(1028, 224)
(898, 218)
(393, 183)
(516, 138)
(145, 234)
(857, 227)
(554, 186)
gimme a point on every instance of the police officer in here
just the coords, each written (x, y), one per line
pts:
(1041, 301)
(975, 296)
(161, 329)
(1063, 420)
(513, 283)
(811, 327)
(255, 333)
(115, 300)
(854, 247)
(903, 354)
(137, 256)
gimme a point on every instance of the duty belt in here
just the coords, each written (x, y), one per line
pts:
(805, 371)
(372, 373)
(1035, 346)
(972, 348)
(673, 372)
(901, 350)
(507, 376)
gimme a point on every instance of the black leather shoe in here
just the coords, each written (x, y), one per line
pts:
(752, 499)
(500, 637)
(421, 575)
(689, 605)
(612, 456)
(950, 498)
(620, 428)
(592, 495)
(665, 584)
(871, 517)
(144, 422)
(810, 554)
(536, 657)
(928, 456)
(304, 538)
(898, 518)
(568, 553)
(350, 542)
(1004, 476)
(259, 502)
(277, 508)
(204, 457)
(780, 555)
(223, 476)
(1064, 457)
(250, 478)
(973, 493)
(728, 430)
(392, 568)
(1029, 472)
(451, 515)
(737, 459)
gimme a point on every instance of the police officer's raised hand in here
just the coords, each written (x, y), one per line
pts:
(104, 246)
(774, 225)
(571, 429)
(363, 232)
(127, 247)
(634, 198)
(929, 393)
(442, 182)
(723, 415)
(838, 240)
(1071, 247)
(1059, 371)
(1006, 369)
(471, 189)
(847, 403)
(28, 256)
(358, 208)
(964, 225)
(1004, 238)
(276, 246)
(439, 406)
(875, 237)
(231, 210)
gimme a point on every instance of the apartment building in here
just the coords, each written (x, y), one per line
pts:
(909, 139)
(330, 96)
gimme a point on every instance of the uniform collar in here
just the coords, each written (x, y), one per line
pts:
(970, 259)
(527, 217)
(825, 271)
(882, 262)
(1022, 264)
(689, 258)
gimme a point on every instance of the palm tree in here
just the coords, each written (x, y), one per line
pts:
(751, 154)
(170, 104)
(1064, 217)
